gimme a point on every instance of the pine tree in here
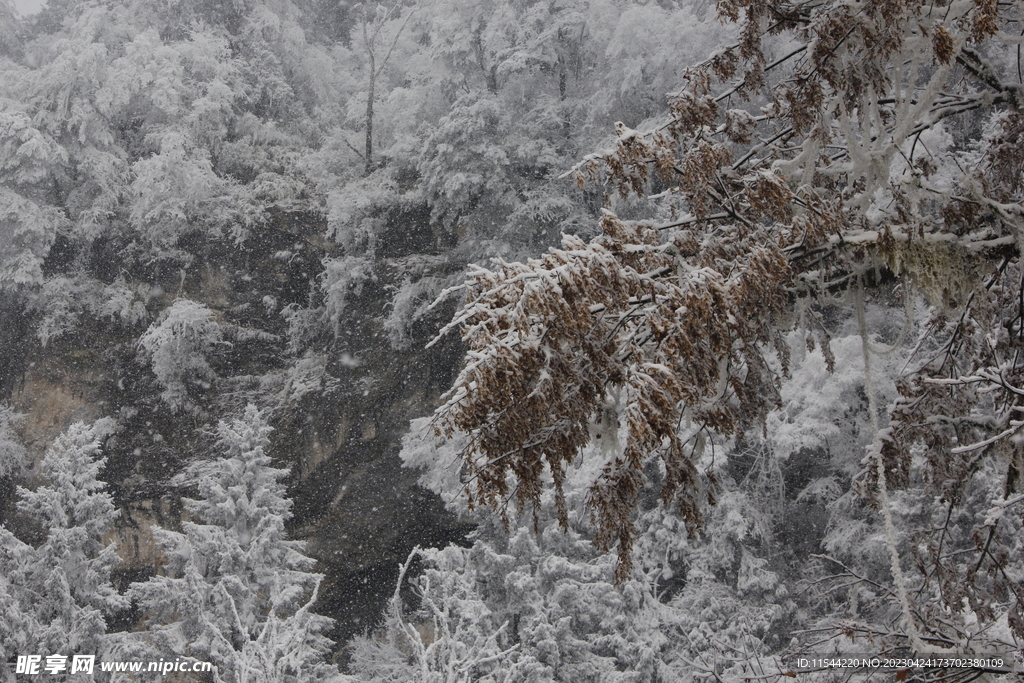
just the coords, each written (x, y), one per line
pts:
(236, 592)
(57, 597)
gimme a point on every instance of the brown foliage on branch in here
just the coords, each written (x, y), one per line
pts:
(828, 178)
(627, 312)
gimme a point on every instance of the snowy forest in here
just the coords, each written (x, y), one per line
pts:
(512, 341)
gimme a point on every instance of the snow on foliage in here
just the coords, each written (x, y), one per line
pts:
(822, 409)
(63, 303)
(29, 231)
(437, 460)
(763, 222)
(174, 189)
(836, 179)
(560, 331)
(412, 301)
(550, 600)
(816, 166)
(58, 596)
(13, 456)
(456, 640)
(357, 213)
(176, 347)
(235, 590)
(343, 279)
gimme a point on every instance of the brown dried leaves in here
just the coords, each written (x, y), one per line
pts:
(942, 42)
(681, 323)
(548, 339)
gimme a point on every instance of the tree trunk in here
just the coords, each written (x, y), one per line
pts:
(562, 88)
(369, 115)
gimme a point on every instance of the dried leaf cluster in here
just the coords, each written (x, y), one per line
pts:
(797, 176)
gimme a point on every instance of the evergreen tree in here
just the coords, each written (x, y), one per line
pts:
(236, 592)
(56, 597)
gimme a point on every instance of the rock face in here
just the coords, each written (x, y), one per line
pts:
(340, 402)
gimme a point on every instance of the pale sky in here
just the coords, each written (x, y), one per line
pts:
(26, 7)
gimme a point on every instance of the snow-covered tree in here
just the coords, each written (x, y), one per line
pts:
(57, 597)
(28, 222)
(831, 161)
(789, 545)
(176, 347)
(684, 313)
(13, 456)
(542, 604)
(485, 105)
(834, 148)
(378, 37)
(236, 591)
(454, 639)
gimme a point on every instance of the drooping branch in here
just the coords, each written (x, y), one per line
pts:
(830, 178)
